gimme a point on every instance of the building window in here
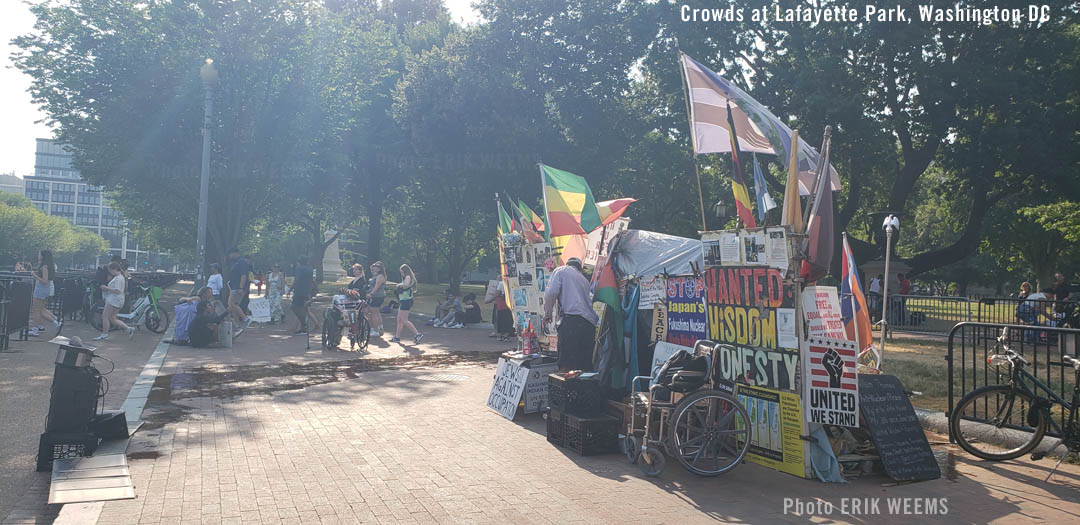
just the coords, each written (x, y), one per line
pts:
(110, 217)
(63, 192)
(87, 216)
(43, 206)
(113, 237)
(37, 190)
(89, 195)
(66, 211)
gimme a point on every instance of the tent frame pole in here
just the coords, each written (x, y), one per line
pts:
(693, 138)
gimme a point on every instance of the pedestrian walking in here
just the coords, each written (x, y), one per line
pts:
(275, 290)
(376, 296)
(114, 295)
(303, 286)
(239, 280)
(216, 282)
(406, 291)
(577, 320)
(44, 287)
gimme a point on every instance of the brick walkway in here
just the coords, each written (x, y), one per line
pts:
(271, 432)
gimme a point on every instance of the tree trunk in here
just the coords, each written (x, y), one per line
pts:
(318, 251)
(375, 226)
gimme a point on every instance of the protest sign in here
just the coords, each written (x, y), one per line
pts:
(756, 366)
(753, 248)
(260, 309)
(659, 324)
(652, 291)
(775, 429)
(778, 248)
(662, 353)
(742, 305)
(831, 386)
(506, 390)
(600, 240)
(686, 319)
(821, 307)
(536, 386)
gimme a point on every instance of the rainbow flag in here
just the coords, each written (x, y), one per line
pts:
(853, 310)
(571, 208)
(738, 182)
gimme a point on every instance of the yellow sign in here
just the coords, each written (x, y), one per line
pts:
(775, 429)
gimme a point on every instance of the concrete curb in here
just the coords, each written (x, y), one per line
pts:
(935, 421)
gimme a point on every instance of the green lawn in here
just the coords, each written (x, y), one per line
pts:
(426, 297)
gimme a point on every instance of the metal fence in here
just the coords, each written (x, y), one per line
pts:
(939, 314)
(971, 343)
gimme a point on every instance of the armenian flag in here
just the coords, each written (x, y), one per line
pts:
(571, 208)
(853, 310)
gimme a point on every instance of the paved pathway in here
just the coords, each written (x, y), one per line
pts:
(272, 432)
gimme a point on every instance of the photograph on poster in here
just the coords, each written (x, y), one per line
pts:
(541, 279)
(711, 249)
(521, 299)
(753, 244)
(777, 248)
(525, 276)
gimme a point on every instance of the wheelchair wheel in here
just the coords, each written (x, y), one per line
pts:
(331, 336)
(709, 432)
(631, 446)
(652, 462)
(363, 335)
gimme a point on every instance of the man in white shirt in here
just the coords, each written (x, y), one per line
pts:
(577, 319)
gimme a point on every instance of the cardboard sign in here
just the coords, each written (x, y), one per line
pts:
(895, 429)
(659, 324)
(260, 309)
(744, 306)
(506, 391)
(831, 387)
(662, 353)
(536, 387)
(821, 307)
(775, 428)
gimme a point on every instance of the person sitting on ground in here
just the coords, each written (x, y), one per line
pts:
(203, 331)
(185, 311)
(471, 313)
(447, 311)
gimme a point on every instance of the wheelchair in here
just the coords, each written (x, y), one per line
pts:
(345, 316)
(686, 415)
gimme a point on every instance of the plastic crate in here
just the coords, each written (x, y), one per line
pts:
(586, 435)
(53, 446)
(583, 397)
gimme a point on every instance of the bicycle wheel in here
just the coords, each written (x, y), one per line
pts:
(363, 335)
(94, 318)
(157, 321)
(992, 423)
(709, 433)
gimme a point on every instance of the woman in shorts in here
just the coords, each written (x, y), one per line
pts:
(376, 295)
(406, 291)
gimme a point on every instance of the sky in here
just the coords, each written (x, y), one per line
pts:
(20, 118)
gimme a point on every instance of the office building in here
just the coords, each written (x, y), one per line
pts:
(57, 188)
(9, 183)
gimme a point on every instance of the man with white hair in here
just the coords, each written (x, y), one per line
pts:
(577, 319)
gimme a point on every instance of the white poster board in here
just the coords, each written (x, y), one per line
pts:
(821, 307)
(652, 291)
(260, 309)
(536, 387)
(506, 391)
(831, 385)
(594, 250)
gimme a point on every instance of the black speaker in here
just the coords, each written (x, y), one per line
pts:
(110, 424)
(74, 399)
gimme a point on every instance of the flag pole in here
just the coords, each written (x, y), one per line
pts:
(547, 215)
(826, 145)
(693, 138)
(851, 298)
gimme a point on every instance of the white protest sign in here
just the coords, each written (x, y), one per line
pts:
(831, 386)
(506, 390)
(260, 309)
(536, 387)
(652, 291)
(821, 307)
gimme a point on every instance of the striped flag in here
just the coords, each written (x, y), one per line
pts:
(506, 224)
(571, 208)
(613, 209)
(853, 310)
(738, 182)
(765, 201)
(792, 213)
(530, 216)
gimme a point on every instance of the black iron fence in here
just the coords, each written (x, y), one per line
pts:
(970, 344)
(939, 314)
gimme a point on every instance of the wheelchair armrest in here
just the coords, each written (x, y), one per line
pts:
(689, 374)
(634, 382)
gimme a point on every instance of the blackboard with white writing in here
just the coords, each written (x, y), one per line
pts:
(895, 429)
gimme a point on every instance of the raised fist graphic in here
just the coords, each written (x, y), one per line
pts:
(834, 365)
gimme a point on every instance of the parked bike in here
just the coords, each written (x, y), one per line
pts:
(145, 311)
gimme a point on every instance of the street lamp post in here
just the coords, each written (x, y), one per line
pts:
(891, 225)
(209, 79)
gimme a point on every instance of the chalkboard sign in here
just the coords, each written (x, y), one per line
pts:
(895, 429)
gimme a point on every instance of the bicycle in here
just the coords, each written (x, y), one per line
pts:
(346, 317)
(144, 311)
(1014, 412)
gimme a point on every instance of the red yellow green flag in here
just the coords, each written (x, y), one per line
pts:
(571, 208)
(613, 209)
(738, 182)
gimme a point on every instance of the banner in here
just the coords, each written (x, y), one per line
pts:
(659, 324)
(686, 319)
(831, 388)
(821, 307)
(743, 304)
(775, 429)
(260, 309)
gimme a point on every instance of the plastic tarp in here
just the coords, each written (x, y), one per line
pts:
(645, 254)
